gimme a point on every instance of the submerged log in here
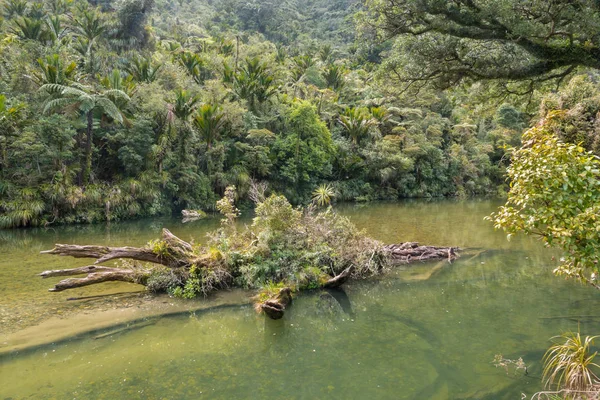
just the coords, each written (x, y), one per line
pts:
(340, 279)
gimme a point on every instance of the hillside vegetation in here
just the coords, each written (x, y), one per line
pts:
(114, 110)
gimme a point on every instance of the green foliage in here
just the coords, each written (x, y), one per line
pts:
(132, 15)
(322, 195)
(55, 71)
(269, 290)
(155, 108)
(356, 123)
(275, 215)
(209, 121)
(334, 76)
(555, 195)
(143, 69)
(15, 8)
(86, 101)
(304, 153)
(226, 207)
(195, 65)
(446, 43)
(291, 247)
(569, 363)
(254, 83)
(28, 28)
(166, 280)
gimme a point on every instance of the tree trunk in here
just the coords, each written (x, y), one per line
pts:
(275, 306)
(174, 252)
(340, 279)
(87, 169)
(95, 275)
(405, 253)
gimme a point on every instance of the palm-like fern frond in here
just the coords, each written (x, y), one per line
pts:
(109, 108)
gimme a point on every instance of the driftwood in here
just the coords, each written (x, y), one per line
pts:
(95, 275)
(179, 254)
(172, 252)
(405, 253)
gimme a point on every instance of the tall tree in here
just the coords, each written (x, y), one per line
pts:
(356, 123)
(86, 101)
(133, 15)
(254, 83)
(182, 109)
(555, 196)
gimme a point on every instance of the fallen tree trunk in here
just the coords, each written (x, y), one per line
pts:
(405, 253)
(172, 252)
(192, 215)
(108, 275)
(75, 271)
(340, 279)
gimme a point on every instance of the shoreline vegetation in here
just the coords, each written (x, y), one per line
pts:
(285, 250)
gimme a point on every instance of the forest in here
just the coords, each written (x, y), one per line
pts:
(114, 110)
(129, 109)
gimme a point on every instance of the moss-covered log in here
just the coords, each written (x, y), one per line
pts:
(180, 254)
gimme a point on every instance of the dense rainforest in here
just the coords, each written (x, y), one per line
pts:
(114, 110)
(120, 109)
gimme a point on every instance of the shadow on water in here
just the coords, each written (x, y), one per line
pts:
(343, 300)
(123, 327)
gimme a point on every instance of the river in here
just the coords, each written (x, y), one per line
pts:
(426, 331)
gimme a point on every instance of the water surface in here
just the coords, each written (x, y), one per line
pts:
(428, 331)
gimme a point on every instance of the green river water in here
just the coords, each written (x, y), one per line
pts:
(427, 331)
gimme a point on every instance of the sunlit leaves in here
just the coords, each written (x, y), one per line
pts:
(323, 195)
(555, 195)
(569, 363)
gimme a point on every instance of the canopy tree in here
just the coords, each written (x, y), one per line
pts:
(447, 42)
